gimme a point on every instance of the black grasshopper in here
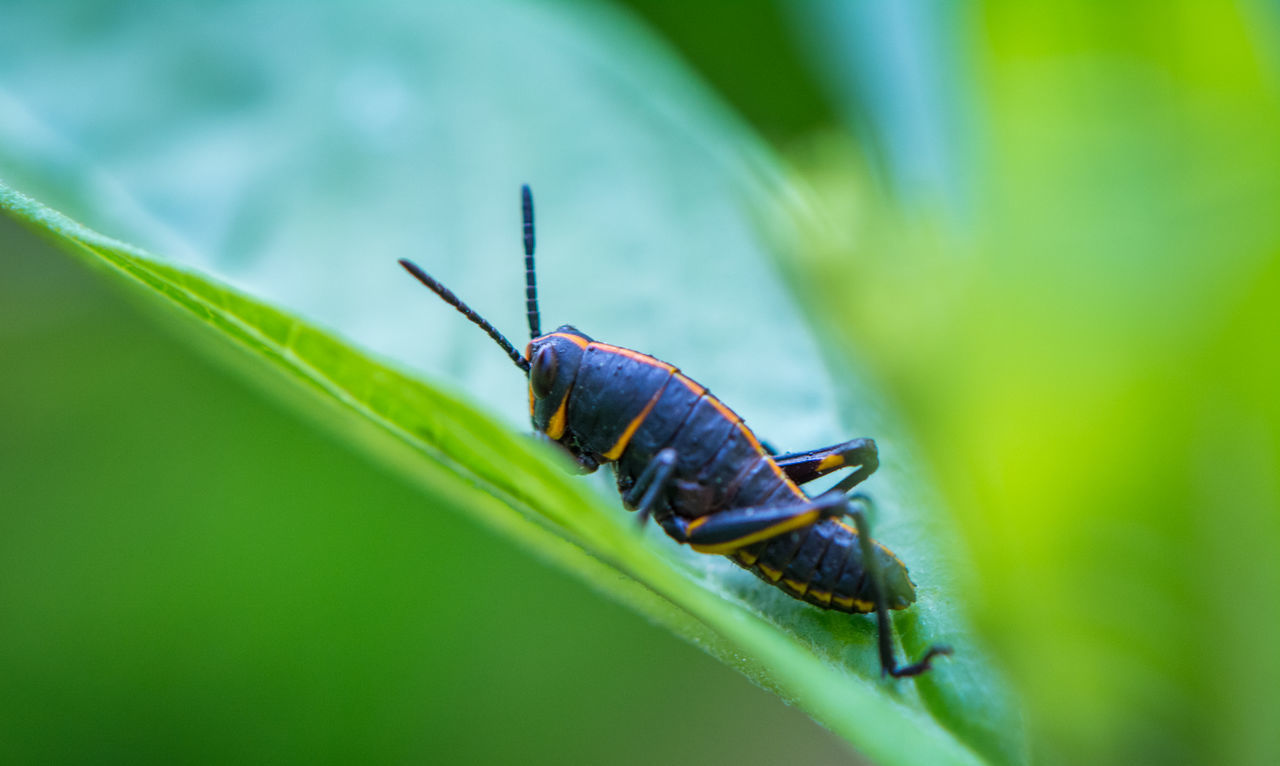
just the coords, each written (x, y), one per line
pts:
(684, 458)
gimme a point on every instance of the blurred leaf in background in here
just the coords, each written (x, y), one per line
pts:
(1086, 341)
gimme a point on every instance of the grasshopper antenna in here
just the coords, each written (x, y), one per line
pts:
(530, 280)
(448, 297)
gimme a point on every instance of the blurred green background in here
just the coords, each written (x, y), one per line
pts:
(1048, 232)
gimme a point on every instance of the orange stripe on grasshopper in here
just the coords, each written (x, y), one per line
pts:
(795, 522)
(633, 355)
(556, 426)
(616, 450)
(690, 384)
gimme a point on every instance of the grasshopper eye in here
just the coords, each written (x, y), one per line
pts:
(542, 375)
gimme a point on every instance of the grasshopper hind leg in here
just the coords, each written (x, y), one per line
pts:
(857, 507)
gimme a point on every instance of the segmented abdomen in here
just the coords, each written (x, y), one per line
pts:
(821, 564)
(626, 407)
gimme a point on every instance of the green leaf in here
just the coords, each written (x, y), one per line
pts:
(286, 181)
